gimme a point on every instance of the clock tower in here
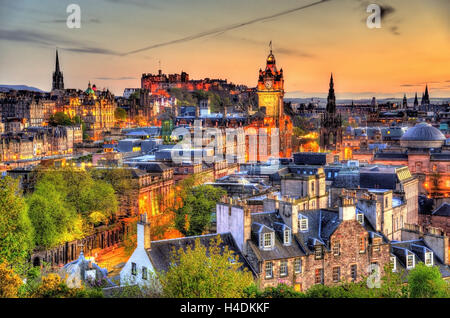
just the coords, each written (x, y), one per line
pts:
(270, 89)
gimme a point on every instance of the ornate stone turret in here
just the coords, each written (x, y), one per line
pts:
(331, 123)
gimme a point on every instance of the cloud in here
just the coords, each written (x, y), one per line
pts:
(223, 29)
(277, 49)
(91, 20)
(45, 39)
(137, 3)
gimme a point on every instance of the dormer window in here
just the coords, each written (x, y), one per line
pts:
(303, 224)
(429, 258)
(266, 240)
(410, 261)
(394, 263)
(360, 218)
(287, 237)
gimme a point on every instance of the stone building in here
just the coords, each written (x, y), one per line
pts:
(304, 248)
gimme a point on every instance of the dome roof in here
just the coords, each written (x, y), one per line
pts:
(422, 135)
(423, 132)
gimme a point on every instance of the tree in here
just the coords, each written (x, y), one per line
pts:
(52, 286)
(203, 272)
(53, 219)
(194, 215)
(60, 119)
(120, 114)
(392, 284)
(427, 282)
(10, 282)
(16, 231)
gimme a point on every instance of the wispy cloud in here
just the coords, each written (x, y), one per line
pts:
(47, 39)
(225, 28)
(387, 12)
(278, 49)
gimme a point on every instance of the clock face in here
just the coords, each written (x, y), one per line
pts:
(269, 84)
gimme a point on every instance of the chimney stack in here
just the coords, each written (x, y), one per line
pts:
(347, 208)
(143, 232)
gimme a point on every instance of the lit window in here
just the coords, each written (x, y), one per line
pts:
(336, 249)
(133, 269)
(283, 268)
(304, 224)
(376, 244)
(319, 276)
(336, 274)
(298, 265)
(269, 270)
(410, 261)
(362, 244)
(287, 237)
(429, 258)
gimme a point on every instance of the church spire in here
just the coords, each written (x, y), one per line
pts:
(331, 100)
(58, 79)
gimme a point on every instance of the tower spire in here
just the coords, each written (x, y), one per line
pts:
(57, 62)
(270, 45)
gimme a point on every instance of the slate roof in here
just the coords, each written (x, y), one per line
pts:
(443, 210)
(416, 248)
(161, 251)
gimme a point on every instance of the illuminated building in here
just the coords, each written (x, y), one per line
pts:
(270, 91)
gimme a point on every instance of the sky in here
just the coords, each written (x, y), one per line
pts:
(121, 39)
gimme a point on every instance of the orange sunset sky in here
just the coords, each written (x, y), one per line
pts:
(412, 47)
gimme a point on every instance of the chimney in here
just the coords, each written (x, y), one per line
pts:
(289, 214)
(143, 232)
(347, 208)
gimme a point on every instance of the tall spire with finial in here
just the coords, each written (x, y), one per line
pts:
(58, 79)
(331, 100)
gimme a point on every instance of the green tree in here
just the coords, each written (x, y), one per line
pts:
(60, 119)
(204, 272)
(53, 219)
(120, 114)
(16, 231)
(392, 285)
(426, 282)
(194, 215)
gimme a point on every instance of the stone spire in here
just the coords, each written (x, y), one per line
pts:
(405, 101)
(58, 79)
(416, 101)
(331, 100)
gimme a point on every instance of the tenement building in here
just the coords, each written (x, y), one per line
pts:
(304, 248)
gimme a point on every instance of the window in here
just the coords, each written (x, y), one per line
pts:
(336, 249)
(298, 265)
(269, 270)
(386, 202)
(133, 269)
(360, 218)
(376, 244)
(410, 261)
(267, 240)
(319, 276)
(362, 244)
(336, 274)
(354, 272)
(304, 224)
(144, 273)
(394, 263)
(283, 268)
(312, 188)
(318, 252)
(429, 258)
(287, 237)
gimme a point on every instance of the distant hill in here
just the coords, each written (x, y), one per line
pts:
(4, 88)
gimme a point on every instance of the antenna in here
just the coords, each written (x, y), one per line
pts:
(270, 45)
